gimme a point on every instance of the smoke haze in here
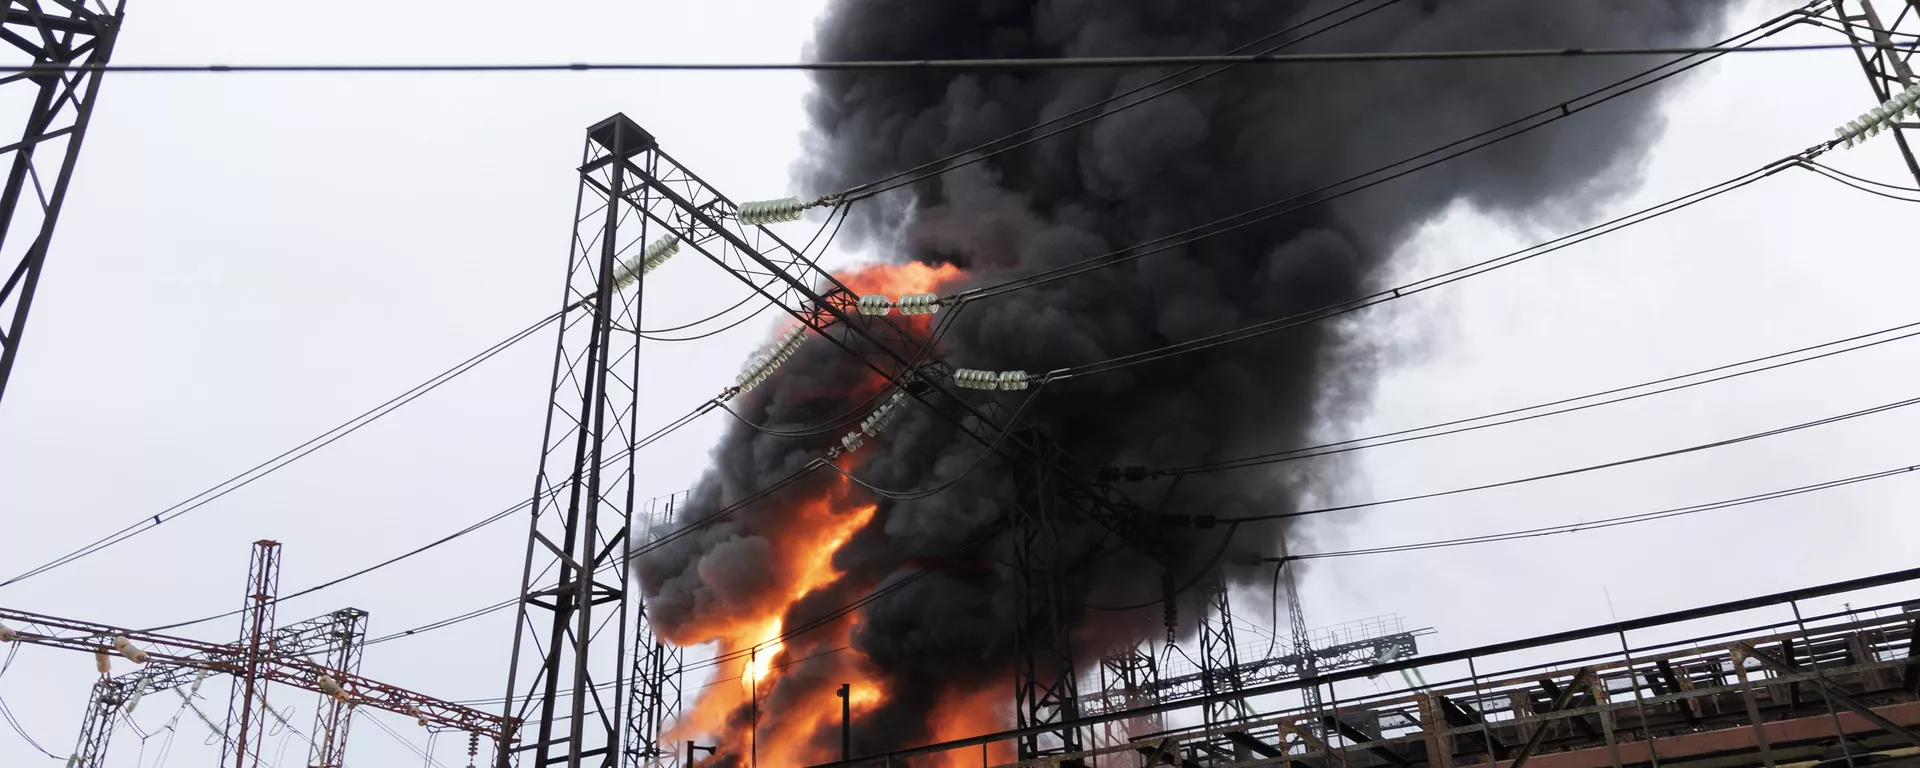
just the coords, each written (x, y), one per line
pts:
(1250, 136)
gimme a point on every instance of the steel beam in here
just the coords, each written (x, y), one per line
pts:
(71, 41)
(1887, 72)
(1219, 658)
(1044, 679)
(1834, 694)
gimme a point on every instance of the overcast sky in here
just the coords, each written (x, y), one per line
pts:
(246, 260)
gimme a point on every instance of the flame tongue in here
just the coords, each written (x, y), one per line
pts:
(780, 718)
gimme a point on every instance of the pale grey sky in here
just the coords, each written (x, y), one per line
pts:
(246, 260)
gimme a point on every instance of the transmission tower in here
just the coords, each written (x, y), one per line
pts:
(1302, 641)
(658, 667)
(1219, 657)
(566, 688)
(69, 39)
(337, 635)
(1128, 680)
(1044, 680)
(1888, 69)
(246, 709)
(698, 216)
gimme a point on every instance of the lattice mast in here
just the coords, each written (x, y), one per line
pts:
(247, 706)
(658, 667)
(69, 39)
(1888, 69)
(568, 679)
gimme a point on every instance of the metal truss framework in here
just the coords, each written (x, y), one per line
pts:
(247, 708)
(1127, 681)
(228, 659)
(338, 635)
(1888, 70)
(658, 669)
(684, 206)
(1219, 656)
(1044, 680)
(574, 589)
(67, 37)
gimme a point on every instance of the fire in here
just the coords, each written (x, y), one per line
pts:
(773, 717)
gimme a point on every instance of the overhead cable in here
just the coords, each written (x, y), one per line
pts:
(960, 65)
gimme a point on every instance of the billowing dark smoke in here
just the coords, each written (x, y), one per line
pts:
(1251, 136)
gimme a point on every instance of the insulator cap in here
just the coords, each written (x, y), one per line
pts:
(875, 305)
(7, 634)
(1012, 380)
(763, 366)
(919, 304)
(770, 211)
(852, 442)
(968, 378)
(129, 650)
(1879, 118)
(883, 416)
(645, 261)
(103, 662)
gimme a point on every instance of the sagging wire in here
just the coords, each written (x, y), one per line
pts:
(836, 218)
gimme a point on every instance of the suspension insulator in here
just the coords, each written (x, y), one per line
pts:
(968, 378)
(919, 303)
(1879, 118)
(770, 211)
(645, 261)
(139, 692)
(332, 688)
(103, 662)
(875, 305)
(7, 635)
(129, 650)
(1013, 380)
(852, 442)
(763, 366)
(883, 416)
(199, 678)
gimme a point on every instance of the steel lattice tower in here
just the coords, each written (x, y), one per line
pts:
(567, 685)
(1045, 690)
(69, 39)
(1888, 71)
(247, 709)
(1219, 656)
(655, 699)
(338, 635)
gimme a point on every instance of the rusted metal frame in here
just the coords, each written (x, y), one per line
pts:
(1833, 693)
(1640, 702)
(1560, 703)
(1603, 701)
(1739, 655)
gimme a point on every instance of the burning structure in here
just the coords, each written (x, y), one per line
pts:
(932, 659)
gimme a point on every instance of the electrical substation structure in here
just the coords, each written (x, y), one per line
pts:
(659, 667)
(265, 655)
(68, 38)
(625, 163)
(1889, 71)
(570, 637)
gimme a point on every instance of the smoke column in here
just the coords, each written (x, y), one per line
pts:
(940, 650)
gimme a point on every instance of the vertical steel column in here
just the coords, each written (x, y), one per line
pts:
(1219, 657)
(246, 708)
(58, 35)
(1043, 678)
(570, 699)
(1132, 678)
(1887, 71)
(345, 637)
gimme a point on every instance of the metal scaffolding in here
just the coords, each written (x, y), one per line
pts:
(70, 40)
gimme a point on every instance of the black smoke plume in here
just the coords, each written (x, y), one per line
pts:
(1253, 135)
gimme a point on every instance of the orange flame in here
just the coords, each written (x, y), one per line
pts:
(804, 541)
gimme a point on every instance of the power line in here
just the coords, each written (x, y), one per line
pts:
(978, 153)
(291, 455)
(1609, 522)
(1577, 471)
(1449, 277)
(1499, 418)
(963, 65)
(1412, 164)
